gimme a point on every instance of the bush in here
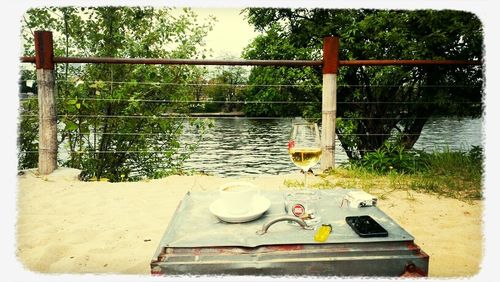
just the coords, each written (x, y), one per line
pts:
(392, 157)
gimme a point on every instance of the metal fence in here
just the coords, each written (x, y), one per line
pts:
(46, 83)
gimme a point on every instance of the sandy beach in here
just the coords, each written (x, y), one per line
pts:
(68, 226)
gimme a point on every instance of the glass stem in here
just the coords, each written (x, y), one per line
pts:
(305, 179)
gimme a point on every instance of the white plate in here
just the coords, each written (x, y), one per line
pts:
(260, 205)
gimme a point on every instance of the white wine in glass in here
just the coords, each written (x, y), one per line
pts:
(304, 146)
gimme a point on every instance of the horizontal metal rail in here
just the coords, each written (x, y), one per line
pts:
(151, 61)
(408, 62)
(290, 63)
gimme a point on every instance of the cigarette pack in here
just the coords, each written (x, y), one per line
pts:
(359, 199)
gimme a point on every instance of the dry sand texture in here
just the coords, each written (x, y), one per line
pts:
(68, 226)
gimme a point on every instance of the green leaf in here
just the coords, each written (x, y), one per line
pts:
(70, 126)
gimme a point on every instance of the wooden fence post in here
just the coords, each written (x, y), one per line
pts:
(329, 101)
(47, 123)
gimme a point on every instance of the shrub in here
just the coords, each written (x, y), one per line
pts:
(392, 157)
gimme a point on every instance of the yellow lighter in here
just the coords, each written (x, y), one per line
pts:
(323, 233)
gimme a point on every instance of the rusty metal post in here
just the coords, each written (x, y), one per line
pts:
(329, 101)
(47, 128)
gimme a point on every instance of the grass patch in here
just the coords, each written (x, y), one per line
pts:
(456, 175)
(452, 174)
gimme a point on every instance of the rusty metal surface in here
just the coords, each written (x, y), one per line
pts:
(290, 63)
(330, 54)
(407, 62)
(44, 58)
(212, 247)
(194, 226)
(166, 61)
(343, 259)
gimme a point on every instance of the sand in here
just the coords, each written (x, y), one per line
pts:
(68, 226)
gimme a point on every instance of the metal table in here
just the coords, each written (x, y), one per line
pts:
(197, 243)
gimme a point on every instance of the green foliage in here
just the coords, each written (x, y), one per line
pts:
(223, 89)
(280, 91)
(395, 158)
(300, 93)
(28, 123)
(375, 104)
(462, 164)
(456, 174)
(115, 119)
(451, 174)
(392, 158)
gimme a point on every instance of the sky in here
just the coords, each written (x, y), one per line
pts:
(230, 35)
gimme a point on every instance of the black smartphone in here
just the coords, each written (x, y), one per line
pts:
(366, 226)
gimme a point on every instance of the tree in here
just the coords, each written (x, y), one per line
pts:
(114, 118)
(381, 104)
(281, 90)
(225, 89)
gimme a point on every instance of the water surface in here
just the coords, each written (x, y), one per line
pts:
(241, 146)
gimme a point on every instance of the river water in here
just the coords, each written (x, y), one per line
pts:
(241, 146)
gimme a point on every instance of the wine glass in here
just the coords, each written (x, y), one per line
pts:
(304, 146)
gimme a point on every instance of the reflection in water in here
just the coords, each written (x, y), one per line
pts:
(239, 146)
